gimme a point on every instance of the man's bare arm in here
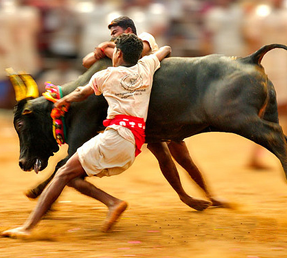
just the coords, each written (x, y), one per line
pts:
(79, 94)
(107, 48)
(89, 60)
(146, 48)
(163, 52)
(104, 49)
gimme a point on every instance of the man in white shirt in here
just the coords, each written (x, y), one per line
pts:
(126, 87)
(122, 24)
(162, 150)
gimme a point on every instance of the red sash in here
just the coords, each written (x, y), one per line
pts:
(135, 124)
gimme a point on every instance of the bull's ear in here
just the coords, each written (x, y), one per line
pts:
(27, 109)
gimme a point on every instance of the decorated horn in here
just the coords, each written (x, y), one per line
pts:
(32, 87)
(24, 85)
(18, 84)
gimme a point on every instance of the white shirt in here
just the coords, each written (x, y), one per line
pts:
(127, 89)
(146, 37)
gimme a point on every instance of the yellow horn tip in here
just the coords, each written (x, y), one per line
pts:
(10, 71)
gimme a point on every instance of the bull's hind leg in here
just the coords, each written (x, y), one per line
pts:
(168, 168)
(267, 134)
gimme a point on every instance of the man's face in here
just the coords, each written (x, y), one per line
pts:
(117, 31)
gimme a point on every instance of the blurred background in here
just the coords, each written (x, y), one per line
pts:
(49, 38)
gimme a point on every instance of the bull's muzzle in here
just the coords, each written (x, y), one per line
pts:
(23, 164)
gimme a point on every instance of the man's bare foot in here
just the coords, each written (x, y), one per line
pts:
(113, 215)
(220, 203)
(196, 204)
(19, 232)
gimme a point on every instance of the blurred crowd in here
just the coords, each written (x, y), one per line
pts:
(49, 38)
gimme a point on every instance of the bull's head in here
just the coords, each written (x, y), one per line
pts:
(33, 124)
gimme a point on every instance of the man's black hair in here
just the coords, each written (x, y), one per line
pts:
(131, 47)
(124, 22)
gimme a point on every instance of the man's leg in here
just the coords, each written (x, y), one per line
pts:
(168, 168)
(116, 206)
(71, 170)
(181, 154)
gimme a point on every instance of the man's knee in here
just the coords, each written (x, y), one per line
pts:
(65, 175)
(75, 182)
(72, 183)
(71, 170)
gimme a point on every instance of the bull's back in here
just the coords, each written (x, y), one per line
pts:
(174, 97)
(181, 92)
(186, 93)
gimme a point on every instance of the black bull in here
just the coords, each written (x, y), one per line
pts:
(189, 96)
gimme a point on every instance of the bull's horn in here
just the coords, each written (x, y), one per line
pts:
(18, 84)
(32, 87)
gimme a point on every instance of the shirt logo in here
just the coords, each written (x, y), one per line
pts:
(132, 82)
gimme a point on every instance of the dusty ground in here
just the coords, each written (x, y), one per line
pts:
(156, 224)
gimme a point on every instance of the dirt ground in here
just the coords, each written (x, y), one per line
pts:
(157, 224)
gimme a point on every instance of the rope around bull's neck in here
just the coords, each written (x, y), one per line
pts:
(53, 93)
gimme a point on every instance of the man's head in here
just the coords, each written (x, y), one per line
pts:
(128, 50)
(122, 24)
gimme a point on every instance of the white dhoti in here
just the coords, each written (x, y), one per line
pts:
(106, 154)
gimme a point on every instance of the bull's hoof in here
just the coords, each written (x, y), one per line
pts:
(32, 193)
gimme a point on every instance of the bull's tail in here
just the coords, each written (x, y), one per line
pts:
(257, 56)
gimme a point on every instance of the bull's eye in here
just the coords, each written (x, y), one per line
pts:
(19, 125)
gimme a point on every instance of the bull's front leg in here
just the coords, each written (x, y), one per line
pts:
(33, 193)
(168, 168)
(36, 191)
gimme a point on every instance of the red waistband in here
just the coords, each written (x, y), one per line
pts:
(126, 121)
(135, 124)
